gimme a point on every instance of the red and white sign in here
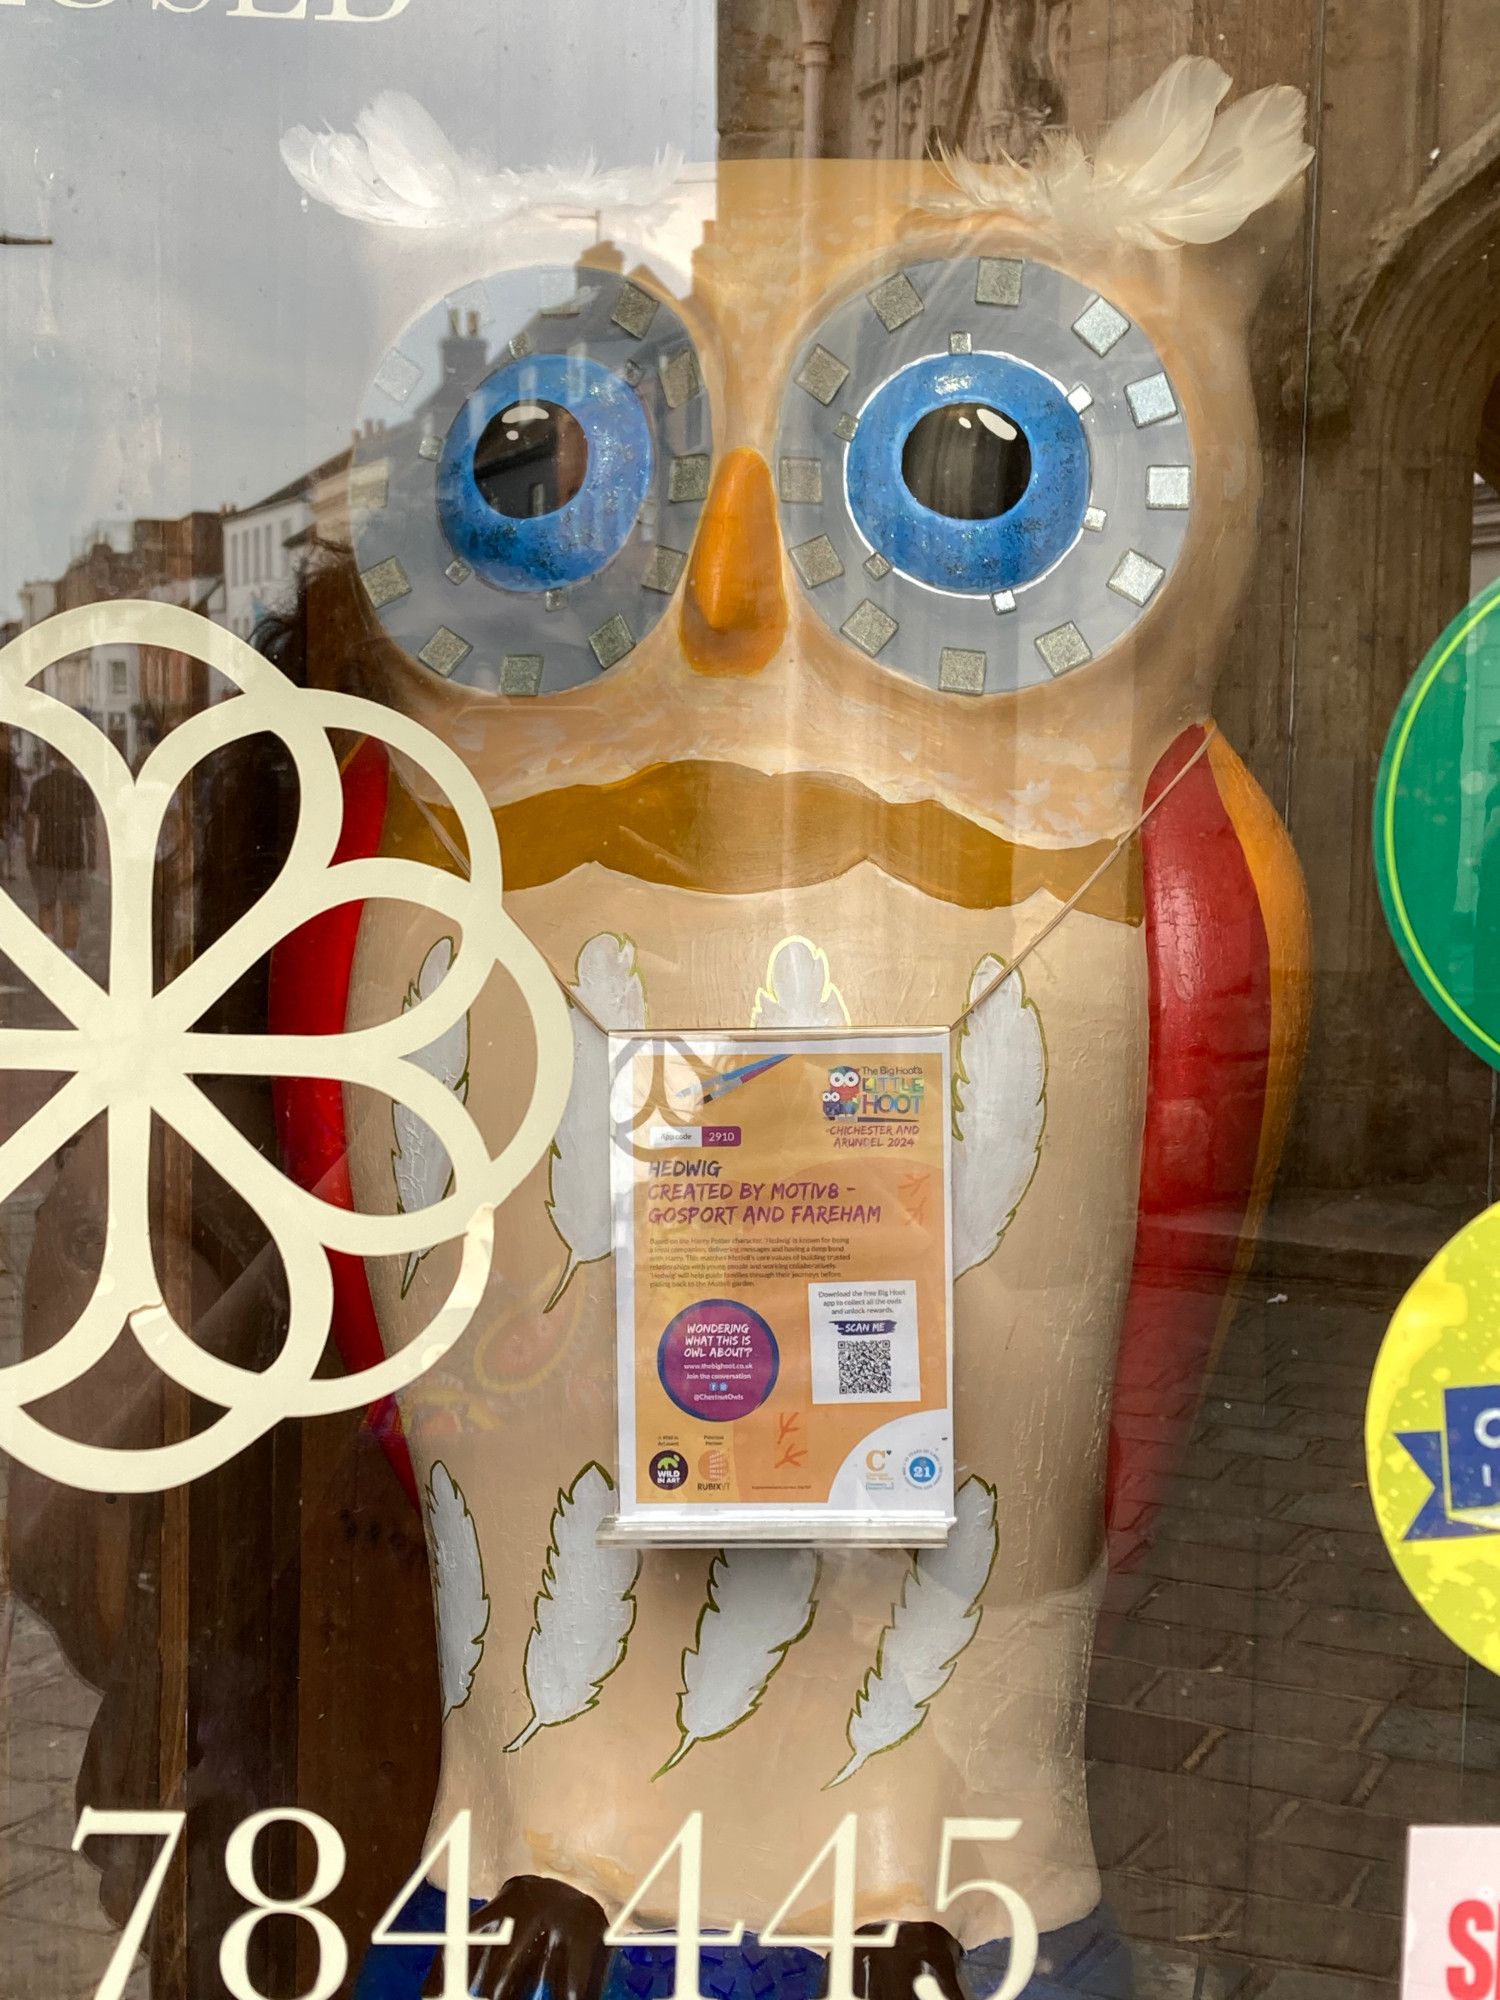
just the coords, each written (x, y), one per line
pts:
(1452, 1949)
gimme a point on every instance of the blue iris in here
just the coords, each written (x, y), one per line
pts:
(576, 540)
(1006, 549)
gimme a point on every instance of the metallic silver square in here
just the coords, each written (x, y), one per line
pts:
(680, 379)
(1151, 400)
(370, 485)
(634, 311)
(648, 513)
(961, 671)
(1094, 519)
(896, 300)
(554, 600)
(397, 375)
(1082, 399)
(1063, 647)
(458, 571)
(845, 427)
(1003, 600)
(800, 481)
(1100, 326)
(998, 281)
(869, 627)
(876, 566)
(687, 478)
(960, 343)
(520, 345)
(613, 640)
(817, 561)
(822, 375)
(1169, 486)
(663, 570)
(444, 650)
(385, 582)
(521, 673)
(430, 447)
(1136, 577)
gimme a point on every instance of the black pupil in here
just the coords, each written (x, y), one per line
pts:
(968, 461)
(531, 459)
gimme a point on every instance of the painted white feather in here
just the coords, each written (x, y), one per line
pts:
(936, 1618)
(584, 1610)
(463, 1609)
(760, 1602)
(608, 983)
(420, 1163)
(799, 991)
(1166, 172)
(399, 169)
(999, 1111)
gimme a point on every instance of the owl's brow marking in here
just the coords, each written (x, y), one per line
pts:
(1111, 855)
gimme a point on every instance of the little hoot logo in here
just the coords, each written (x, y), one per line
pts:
(874, 1096)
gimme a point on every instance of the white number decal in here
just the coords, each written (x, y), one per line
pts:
(843, 1845)
(455, 1937)
(164, 1826)
(687, 1940)
(239, 1866)
(1023, 1939)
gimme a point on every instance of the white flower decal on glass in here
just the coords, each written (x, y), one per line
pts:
(129, 1053)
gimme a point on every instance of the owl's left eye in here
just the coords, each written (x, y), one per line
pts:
(984, 471)
(528, 482)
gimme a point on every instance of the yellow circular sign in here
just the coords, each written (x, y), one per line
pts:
(1432, 1439)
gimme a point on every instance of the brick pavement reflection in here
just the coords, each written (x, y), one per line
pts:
(1269, 1709)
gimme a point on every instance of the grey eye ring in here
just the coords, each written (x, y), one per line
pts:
(984, 472)
(533, 459)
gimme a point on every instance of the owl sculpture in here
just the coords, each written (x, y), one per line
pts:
(832, 611)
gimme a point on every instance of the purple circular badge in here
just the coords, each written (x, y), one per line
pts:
(718, 1360)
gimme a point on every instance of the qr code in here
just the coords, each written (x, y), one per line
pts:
(865, 1368)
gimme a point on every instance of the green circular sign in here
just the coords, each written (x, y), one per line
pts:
(1437, 826)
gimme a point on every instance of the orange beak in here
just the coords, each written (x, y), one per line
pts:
(734, 612)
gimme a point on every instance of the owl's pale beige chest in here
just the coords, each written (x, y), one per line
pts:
(524, 1407)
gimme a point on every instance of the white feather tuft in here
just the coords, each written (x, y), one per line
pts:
(799, 991)
(1166, 172)
(609, 985)
(420, 1163)
(936, 1618)
(1157, 138)
(760, 1602)
(399, 169)
(584, 1610)
(1256, 149)
(999, 1111)
(463, 1609)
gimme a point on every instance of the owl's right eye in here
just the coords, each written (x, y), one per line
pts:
(984, 471)
(528, 483)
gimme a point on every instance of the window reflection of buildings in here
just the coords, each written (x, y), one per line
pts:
(266, 544)
(129, 691)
